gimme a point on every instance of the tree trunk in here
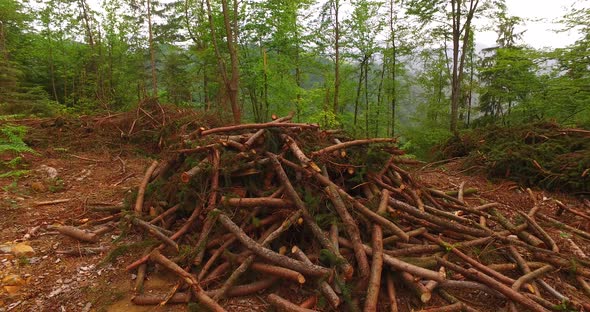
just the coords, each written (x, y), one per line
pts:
(379, 98)
(51, 66)
(358, 92)
(152, 51)
(3, 41)
(470, 88)
(459, 55)
(234, 83)
(87, 23)
(298, 81)
(265, 74)
(367, 96)
(455, 85)
(393, 67)
(336, 4)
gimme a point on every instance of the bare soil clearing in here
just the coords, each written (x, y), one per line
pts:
(101, 168)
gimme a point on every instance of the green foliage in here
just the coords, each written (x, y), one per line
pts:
(125, 249)
(328, 259)
(564, 306)
(11, 188)
(11, 143)
(11, 140)
(346, 293)
(14, 174)
(421, 141)
(23, 261)
(56, 185)
(532, 154)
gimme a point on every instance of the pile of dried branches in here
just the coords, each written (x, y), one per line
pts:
(240, 210)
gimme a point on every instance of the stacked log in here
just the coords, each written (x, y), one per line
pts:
(244, 209)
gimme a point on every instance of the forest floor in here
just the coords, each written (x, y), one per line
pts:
(96, 168)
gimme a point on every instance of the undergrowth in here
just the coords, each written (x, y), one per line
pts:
(11, 139)
(539, 154)
(12, 147)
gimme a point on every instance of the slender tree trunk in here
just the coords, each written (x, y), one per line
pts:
(93, 65)
(206, 86)
(234, 83)
(65, 78)
(100, 81)
(393, 89)
(265, 76)
(298, 80)
(380, 98)
(393, 67)
(367, 111)
(358, 92)
(455, 85)
(337, 58)
(111, 82)
(52, 66)
(440, 86)
(459, 55)
(470, 88)
(3, 41)
(327, 101)
(152, 50)
(220, 61)
(84, 7)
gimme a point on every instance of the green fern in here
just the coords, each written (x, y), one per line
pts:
(11, 140)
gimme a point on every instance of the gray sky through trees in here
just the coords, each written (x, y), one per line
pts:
(541, 22)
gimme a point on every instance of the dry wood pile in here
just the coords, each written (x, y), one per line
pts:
(240, 210)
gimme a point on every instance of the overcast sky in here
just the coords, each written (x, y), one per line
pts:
(539, 33)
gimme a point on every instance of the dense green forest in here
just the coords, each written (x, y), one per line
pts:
(376, 68)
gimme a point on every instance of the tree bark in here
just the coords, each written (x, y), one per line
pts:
(459, 54)
(377, 262)
(284, 305)
(268, 254)
(233, 85)
(198, 292)
(336, 108)
(142, 187)
(152, 50)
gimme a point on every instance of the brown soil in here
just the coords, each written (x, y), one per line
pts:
(100, 167)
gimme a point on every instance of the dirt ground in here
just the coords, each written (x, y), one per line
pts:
(94, 169)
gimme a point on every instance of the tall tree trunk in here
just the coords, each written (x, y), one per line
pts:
(298, 80)
(380, 97)
(393, 67)
(206, 87)
(100, 79)
(459, 54)
(470, 88)
(90, 38)
(52, 65)
(367, 111)
(65, 78)
(455, 85)
(111, 82)
(234, 83)
(93, 65)
(358, 92)
(3, 49)
(152, 50)
(336, 4)
(220, 62)
(265, 76)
